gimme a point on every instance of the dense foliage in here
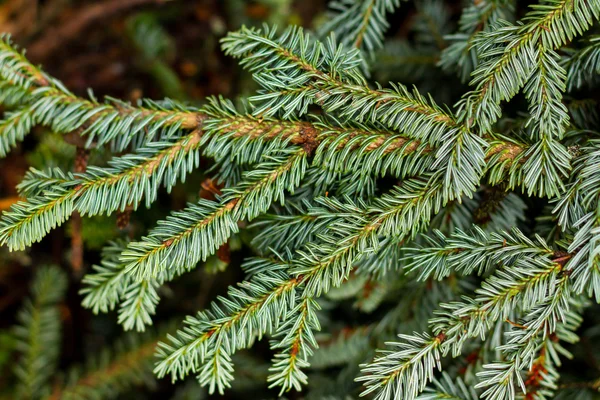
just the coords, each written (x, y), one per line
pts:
(346, 189)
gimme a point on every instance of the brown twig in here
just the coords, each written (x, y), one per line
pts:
(76, 223)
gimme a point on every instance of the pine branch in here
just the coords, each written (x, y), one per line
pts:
(403, 373)
(524, 344)
(260, 311)
(53, 105)
(583, 65)
(447, 388)
(15, 126)
(12, 96)
(465, 252)
(39, 333)
(357, 230)
(104, 287)
(360, 24)
(322, 80)
(251, 311)
(14, 67)
(111, 372)
(509, 66)
(110, 285)
(340, 230)
(321, 74)
(584, 263)
(544, 91)
(530, 283)
(580, 196)
(480, 16)
(296, 343)
(193, 234)
(101, 190)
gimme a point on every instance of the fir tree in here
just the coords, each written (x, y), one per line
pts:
(352, 189)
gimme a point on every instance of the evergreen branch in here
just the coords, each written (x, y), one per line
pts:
(28, 221)
(139, 300)
(509, 66)
(350, 242)
(342, 231)
(356, 232)
(14, 67)
(505, 162)
(53, 105)
(583, 65)
(530, 283)
(104, 287)
(584, 263)
(296, 343)
(547, 164)
(290, 231)
(193, 234)
(477, 250)
(110, 285)
(101, 190)
(15, 126)
(544, 92)
(403, 373)
(330, 81)
(113, 121)
(360, 24)
(449, 389)
(12, 96)
(524, 344)
(111, 372)
(345, 346)
(549, 118)
(316, 270)
(38, 333)
(37, 182)
(581, 195)
(480, 16)
(248, 313)
(316, 74)
(139, 177)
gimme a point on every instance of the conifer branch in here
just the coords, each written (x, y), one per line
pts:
(550, 25)
(583, 65)
(477, 250)
(128, 364)
(110, 285)
(195, 233)
(461, 54)
(447, 388)
(534, 280)
(360, 24)
(538, 331)
(314, 274)
(39, 333)
(14, 127)
(339, 229)
(297, 343)
(53, 105)
(104, 287)
(101, 190)
(251, 311)
(331, 81)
